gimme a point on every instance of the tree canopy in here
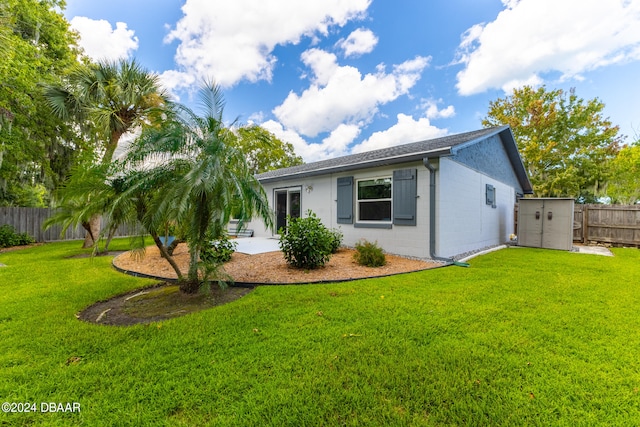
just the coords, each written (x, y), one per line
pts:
(37, 149)
(565, 142)
(624, 185)
(263, 150)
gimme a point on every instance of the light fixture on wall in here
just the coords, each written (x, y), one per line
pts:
(308, 188)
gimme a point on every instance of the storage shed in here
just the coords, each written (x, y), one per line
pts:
(546, 223)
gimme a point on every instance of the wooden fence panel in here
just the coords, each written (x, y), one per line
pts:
(578, 223)
(612, 224)
(30, 220)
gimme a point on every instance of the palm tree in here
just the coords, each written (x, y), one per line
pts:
(111, 98)
(199, 178)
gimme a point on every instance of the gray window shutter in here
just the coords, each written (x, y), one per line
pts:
(490, 194)
(405, 193)
(345, 200)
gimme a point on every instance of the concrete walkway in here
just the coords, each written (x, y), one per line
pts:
(256, 245)
(259, 245)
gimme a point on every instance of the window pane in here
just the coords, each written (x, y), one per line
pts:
(374, 211)
(281, 210)
(374, 189)
(294, 204)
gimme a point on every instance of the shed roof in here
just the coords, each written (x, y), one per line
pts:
(415, 151)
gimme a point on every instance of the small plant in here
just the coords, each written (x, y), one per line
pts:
(336, 240)
(307, 243)
(369, 254)
(9, 237)
(219, 251)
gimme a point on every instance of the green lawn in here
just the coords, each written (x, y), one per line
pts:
(523, 337)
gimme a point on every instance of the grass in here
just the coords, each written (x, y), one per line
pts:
(523, 337)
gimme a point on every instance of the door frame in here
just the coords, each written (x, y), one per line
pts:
(281, 214)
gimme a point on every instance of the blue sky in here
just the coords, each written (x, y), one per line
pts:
(335, 77)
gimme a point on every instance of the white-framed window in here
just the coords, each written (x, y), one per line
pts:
(374, 200)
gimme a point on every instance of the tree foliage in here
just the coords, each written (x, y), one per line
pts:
(110, 98)
(624, 185)
(263, 150)
(565, 142)
(37, 149)
(89, 191)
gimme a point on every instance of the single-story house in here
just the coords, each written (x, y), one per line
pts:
(430, 199)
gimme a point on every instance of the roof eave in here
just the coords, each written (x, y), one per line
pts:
(516, 160)
(405, 158)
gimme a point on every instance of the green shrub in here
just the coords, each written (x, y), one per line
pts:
(9, 237)
(336, 240)
(306, 243)
(369, 254)
(219, 251)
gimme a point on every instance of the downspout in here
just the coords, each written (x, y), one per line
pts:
(432, 216)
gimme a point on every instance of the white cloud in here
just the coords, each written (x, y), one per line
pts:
(533, 37)
(337, 143)
(406, 130)
(342, 95)
(299, 144)
(101, 41)
(234, 40)
(333, 146)
(359, 42)
(174, 80)
(432, 111)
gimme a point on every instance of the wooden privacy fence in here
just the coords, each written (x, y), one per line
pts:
(30, 220)
(617, 225)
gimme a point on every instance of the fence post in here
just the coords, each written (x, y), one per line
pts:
(585, 224)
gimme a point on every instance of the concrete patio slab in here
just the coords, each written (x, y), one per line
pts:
(256, 245)
(592, 250)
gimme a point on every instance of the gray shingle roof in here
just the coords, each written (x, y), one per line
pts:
(399, 154)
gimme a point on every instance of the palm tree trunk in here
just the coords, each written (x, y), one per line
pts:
(169, 258)
(110, 148)
(93, 231)
(112, 232)
(192, 284)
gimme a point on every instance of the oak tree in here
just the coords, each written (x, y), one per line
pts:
(565, 142)
(263, 150)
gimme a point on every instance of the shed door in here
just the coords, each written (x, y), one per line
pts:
(530, 223)
(546, 223)
(557, 225)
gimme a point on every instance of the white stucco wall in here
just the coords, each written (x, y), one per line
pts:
(464, 221)
(402, 240)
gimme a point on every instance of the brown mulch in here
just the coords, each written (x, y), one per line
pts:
(270, 267)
